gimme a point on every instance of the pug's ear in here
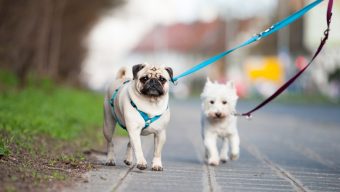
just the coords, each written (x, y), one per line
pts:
(171, 73)
(136, 69)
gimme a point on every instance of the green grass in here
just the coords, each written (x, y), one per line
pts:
(44, 108)
(45, 124)
(4, 151)
(60, 112)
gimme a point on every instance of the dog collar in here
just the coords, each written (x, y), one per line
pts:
(148, 120)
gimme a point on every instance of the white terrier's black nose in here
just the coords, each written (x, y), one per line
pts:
(218, 114)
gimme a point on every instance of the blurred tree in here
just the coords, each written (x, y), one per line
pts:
(46, 36)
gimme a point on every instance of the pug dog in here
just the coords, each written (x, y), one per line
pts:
(146, 92)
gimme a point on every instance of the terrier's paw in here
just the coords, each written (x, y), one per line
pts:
(157, 168)
(213, 162)
(234, 156)
(141, 166)
(224, 160)
(110, 162)
(127, 162)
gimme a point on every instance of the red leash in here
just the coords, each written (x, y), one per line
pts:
(291, 80)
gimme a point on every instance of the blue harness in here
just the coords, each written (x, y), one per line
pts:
(148, 120)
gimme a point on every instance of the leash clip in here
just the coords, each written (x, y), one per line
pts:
(174, 82)
(258, 36)
(247, 116)
(326, 32)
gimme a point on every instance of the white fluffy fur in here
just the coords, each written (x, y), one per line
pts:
(218, 107)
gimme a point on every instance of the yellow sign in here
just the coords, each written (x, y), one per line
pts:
(266, 68)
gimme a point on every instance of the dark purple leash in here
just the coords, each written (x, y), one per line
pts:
(291, 80)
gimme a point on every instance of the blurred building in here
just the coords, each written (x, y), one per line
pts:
(259, 68)
(182, 45)
(325, 72)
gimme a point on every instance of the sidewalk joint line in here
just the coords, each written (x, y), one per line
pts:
(211, 188)
(297, 185)
(120, 182)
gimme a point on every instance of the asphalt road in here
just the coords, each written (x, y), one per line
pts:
(283, 148)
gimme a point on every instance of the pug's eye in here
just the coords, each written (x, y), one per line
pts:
(212, 102)
(144, 79)
(224, 102)
(162, 79)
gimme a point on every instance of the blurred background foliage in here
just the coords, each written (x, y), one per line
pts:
(47, 119)
(46, 36)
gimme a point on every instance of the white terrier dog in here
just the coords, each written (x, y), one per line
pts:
(218, 120)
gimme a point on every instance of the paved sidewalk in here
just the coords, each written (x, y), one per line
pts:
(282, 149)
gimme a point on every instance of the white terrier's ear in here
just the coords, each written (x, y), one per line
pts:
(231, 84)
(208, 82)
(202, 96)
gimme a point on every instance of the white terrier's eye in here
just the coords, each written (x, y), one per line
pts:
(224, 102)
(212, 102)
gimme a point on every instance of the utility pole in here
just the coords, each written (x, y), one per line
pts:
(283, 35)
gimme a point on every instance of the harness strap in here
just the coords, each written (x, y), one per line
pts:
(145, 116)
(114, 95)
(148, 120)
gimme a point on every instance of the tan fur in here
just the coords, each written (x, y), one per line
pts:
(131, 118)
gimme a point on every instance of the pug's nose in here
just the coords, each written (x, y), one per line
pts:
(153, 82)
(218, 114)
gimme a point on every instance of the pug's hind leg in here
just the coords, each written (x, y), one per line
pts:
(128, 155)
(108, 129)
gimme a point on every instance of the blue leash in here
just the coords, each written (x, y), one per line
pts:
(281, 24)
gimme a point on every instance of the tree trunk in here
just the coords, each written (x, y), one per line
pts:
(43, 37)
(23, 53)
(56, 36)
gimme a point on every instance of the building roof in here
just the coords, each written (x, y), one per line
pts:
(195, 37)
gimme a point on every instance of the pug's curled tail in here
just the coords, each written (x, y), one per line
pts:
(123, 73)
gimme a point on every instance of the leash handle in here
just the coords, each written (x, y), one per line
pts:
(292, 79)
(279, 25)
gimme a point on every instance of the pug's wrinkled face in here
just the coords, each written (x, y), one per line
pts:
(152, 81)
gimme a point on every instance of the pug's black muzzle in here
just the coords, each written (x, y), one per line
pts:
(153, 88)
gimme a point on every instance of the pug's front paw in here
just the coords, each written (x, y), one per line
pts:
(141, 166)
(110, 162)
